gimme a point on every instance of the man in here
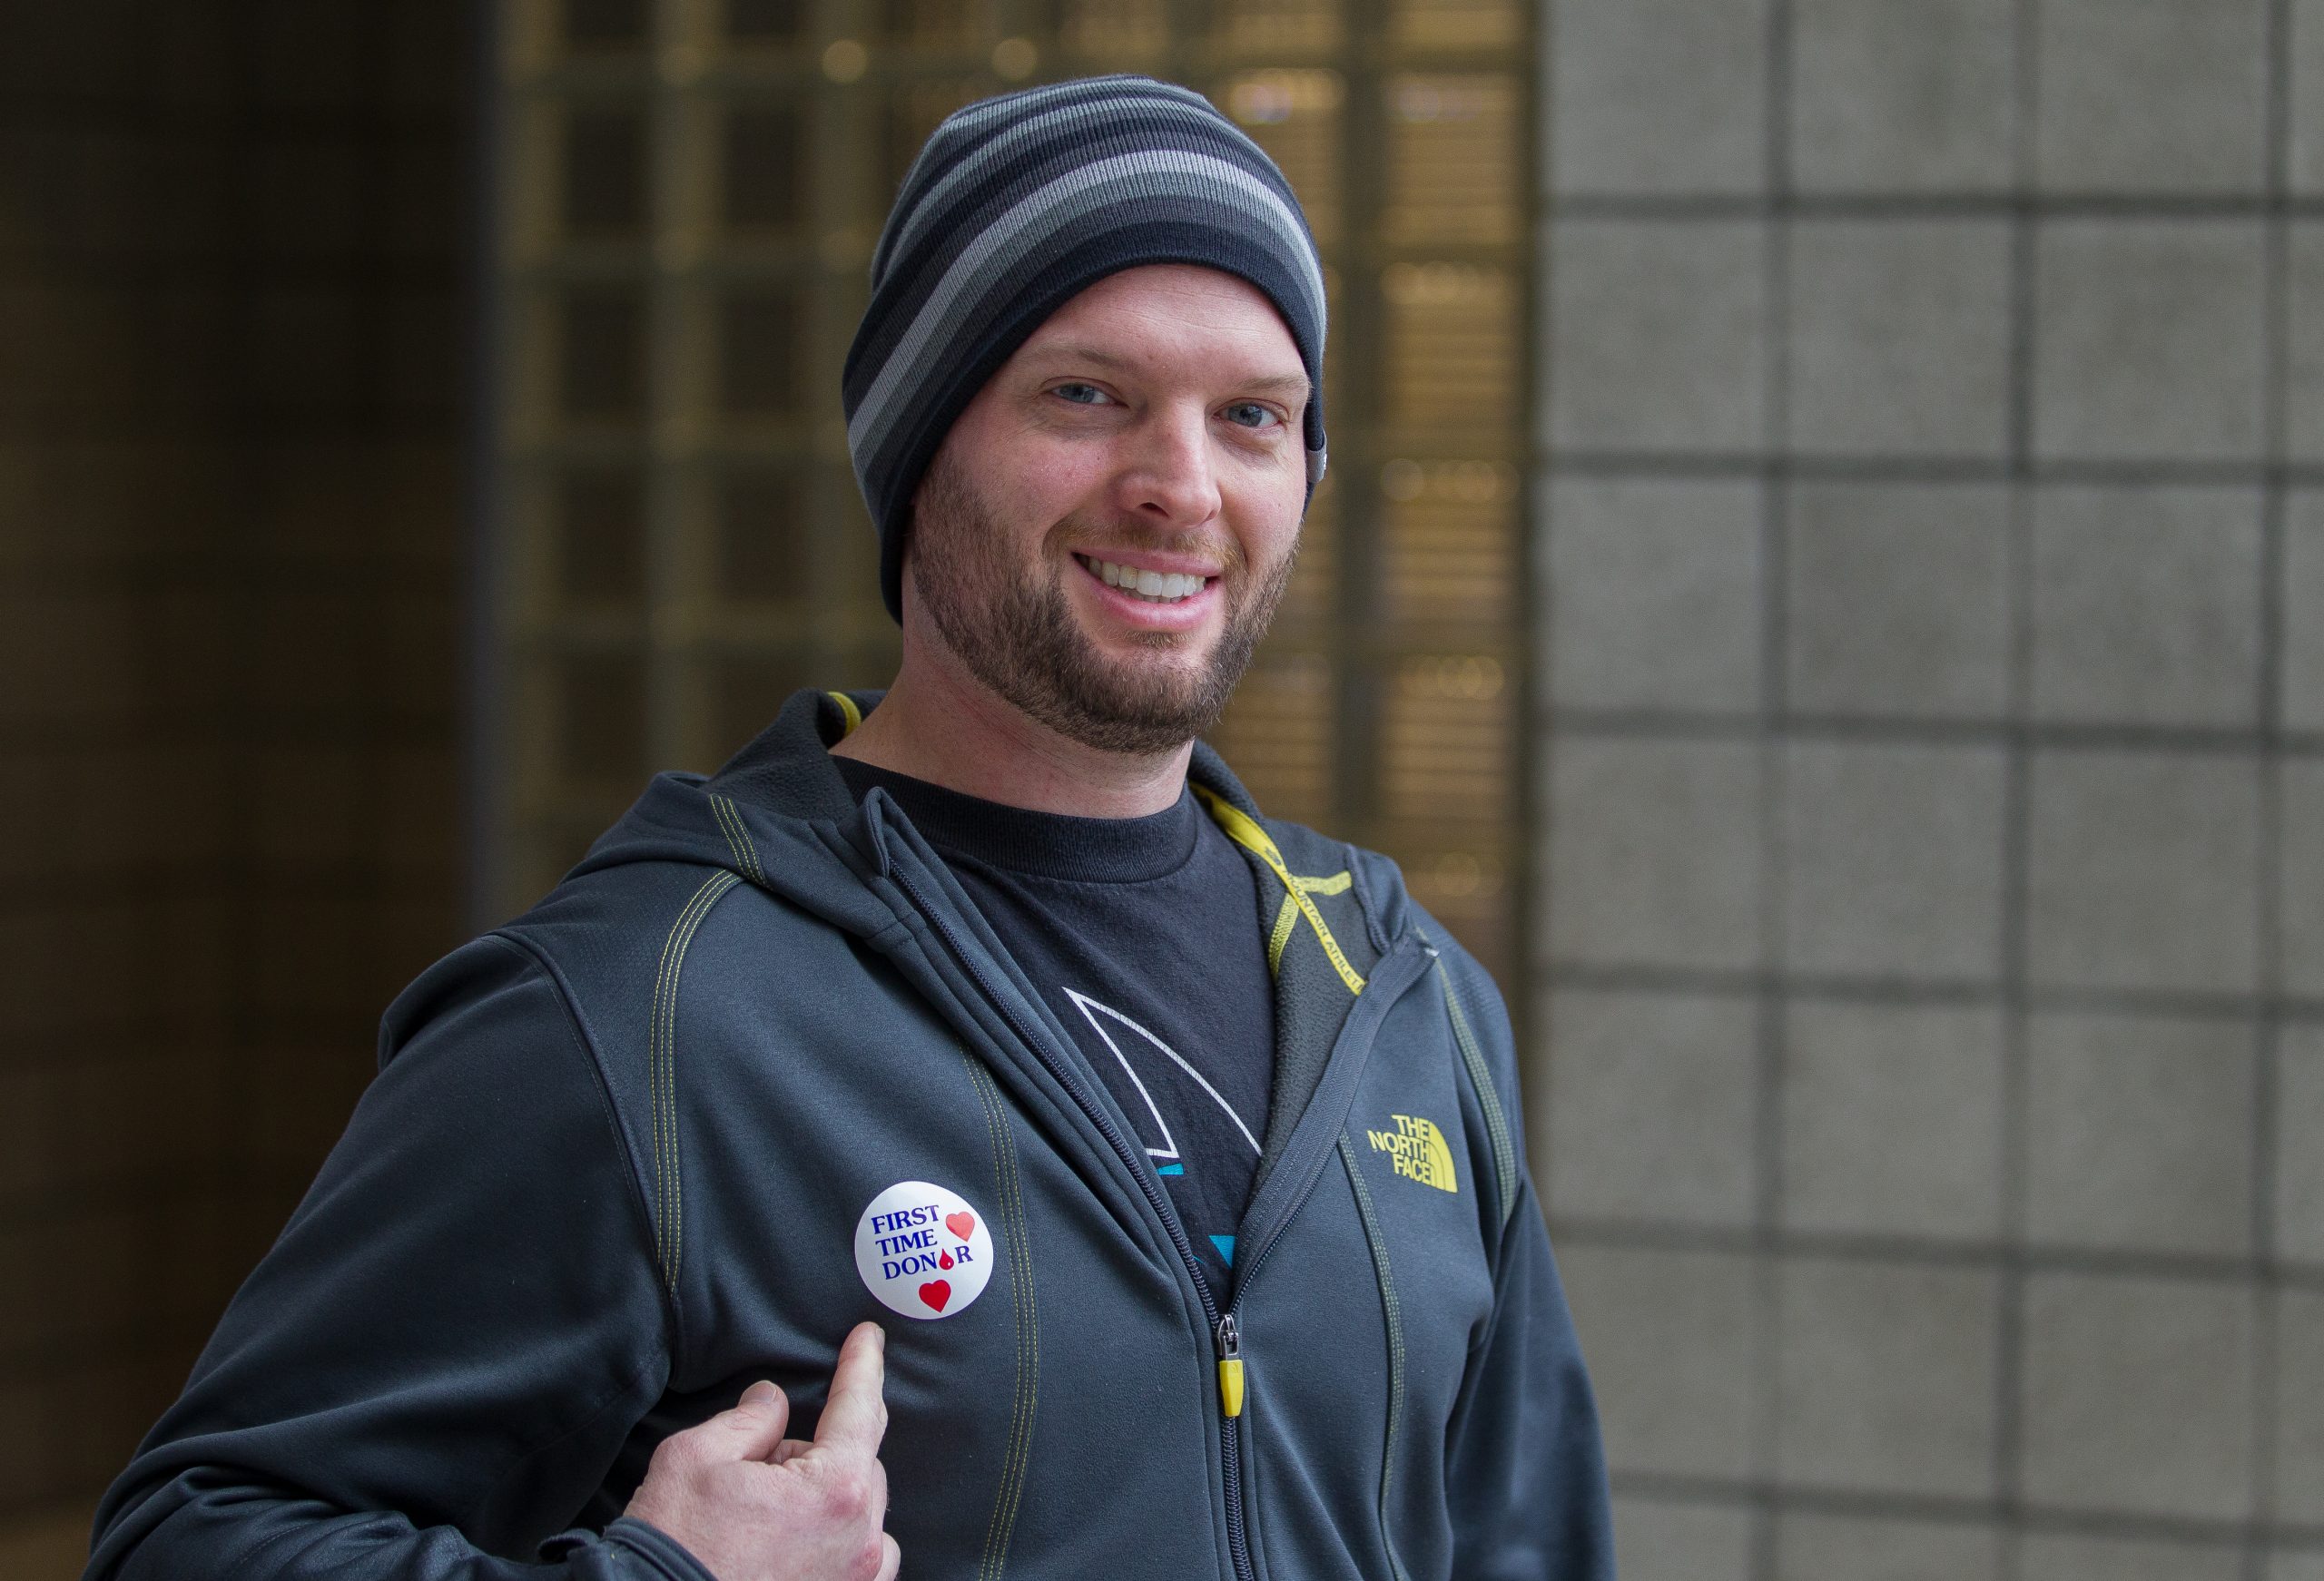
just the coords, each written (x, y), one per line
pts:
(1173, 1148)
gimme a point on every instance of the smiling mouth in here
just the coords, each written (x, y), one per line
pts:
(1153, 586)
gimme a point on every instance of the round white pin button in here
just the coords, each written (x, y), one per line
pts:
(923, 1250)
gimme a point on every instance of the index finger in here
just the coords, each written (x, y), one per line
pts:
(855, 1417)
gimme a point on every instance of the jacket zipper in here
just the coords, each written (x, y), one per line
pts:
(1222, 1327)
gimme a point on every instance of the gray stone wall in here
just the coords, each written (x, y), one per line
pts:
(1930, 1103)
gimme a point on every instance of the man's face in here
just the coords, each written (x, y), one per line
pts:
(1103, 535)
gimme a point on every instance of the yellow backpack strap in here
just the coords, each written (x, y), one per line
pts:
(1245, 832)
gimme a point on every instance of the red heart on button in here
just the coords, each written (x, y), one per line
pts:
(936, 1292)
(960, 1224)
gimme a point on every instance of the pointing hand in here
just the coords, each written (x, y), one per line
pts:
(753, 1506)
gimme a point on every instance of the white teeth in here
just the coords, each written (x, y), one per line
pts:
(1155, 586)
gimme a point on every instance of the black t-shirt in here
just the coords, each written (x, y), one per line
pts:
(1142, 935)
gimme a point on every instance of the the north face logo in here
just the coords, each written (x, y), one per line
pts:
(1416, 1147)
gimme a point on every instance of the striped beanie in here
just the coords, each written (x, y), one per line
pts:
(1017, 204)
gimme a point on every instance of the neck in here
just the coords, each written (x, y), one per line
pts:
(939, 724)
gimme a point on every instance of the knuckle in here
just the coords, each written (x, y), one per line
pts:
(847, 1497)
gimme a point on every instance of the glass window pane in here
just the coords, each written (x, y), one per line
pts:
(601, 360)
(1279, 26)
(1452, 344)
(603, 172)
(1277, 735)
(765, 22)
(1451, 552)
(1114, 32)
(763, 553)
(600, 539)
(606, 24)
(1452, 158)
(1445, 745)
(762, 159)
(1457, 23)
(758, 352)
(600, 700)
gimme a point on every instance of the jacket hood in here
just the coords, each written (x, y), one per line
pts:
(779, 814)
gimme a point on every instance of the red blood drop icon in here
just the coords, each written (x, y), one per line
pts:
(945, 1261)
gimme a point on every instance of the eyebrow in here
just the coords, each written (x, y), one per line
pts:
(1267, 383)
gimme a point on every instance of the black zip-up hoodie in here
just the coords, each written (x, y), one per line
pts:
(615, 1166)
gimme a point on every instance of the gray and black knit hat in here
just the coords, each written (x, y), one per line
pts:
(1017, 204)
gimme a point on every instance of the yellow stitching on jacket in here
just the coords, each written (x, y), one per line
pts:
(1016, 1326)
(1016, 1460)
(1244, 832)
(1019, 1226)
(662, 1075)
(738, 837)
(1504, 1152)
(1393, 1310)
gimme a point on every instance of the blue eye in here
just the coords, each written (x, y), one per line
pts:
(1251, 414)
(1081, 394)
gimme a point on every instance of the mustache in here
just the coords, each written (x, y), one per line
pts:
(1220, 549)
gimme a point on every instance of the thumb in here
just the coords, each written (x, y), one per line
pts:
(751, 1429)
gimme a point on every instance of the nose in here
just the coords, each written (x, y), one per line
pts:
(1166, 477)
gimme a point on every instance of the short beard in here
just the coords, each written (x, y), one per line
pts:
(1019, 637)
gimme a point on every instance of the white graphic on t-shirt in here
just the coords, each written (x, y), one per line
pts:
(1092, 1009)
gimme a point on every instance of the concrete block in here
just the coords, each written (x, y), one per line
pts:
(2138, 1399)
(2308, 96)
(1899, 600)
(2300, 889)
(1886, 1377)
(2304, 391)
(1892, 1120)
(2298, 1395)
(2081, 1558)
(1819, 1547)
(2302, 593)
(1656, 335)
(1669, 1337)
(1654, 595)
(2299, 1139)
(1656, 96)
(2296, 1565)
(2148, 340)
(2139, 1133)
(1900, 337)
(1893, 860)
(2146, 605)
(2152, 95)
(1654, 852)
(1662, 1540)
(1651, 1105)
(1901, 95)
(2143, 871)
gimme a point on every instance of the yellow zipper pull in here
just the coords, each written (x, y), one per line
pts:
(1230, 1368)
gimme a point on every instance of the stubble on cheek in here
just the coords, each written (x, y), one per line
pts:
(1016, 631)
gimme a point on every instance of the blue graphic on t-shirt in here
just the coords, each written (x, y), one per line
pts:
(1225, 1244)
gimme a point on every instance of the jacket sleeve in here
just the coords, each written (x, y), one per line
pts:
(1525, 1472)
(436, 1366)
